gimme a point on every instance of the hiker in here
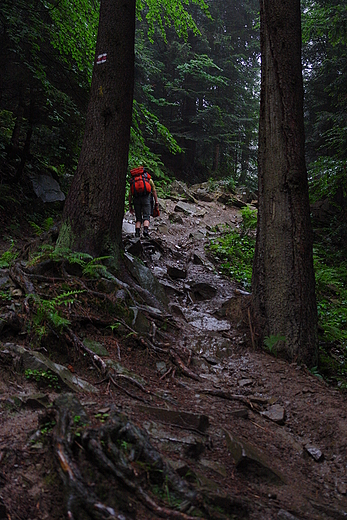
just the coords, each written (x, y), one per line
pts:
(141, 191)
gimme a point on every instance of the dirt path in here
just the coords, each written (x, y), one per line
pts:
(263, 439)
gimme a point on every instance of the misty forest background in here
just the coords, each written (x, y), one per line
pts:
(195, 119)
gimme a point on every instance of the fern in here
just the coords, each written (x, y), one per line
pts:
(46, 312)
(94, 269)
(8, 257)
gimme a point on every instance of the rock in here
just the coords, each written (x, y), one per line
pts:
(189, 209)
(140, 322)
(46, 188)
(32, 360)
(284, 515)
(202, 192)
(35, 401)
(341, 488)
(121, 370)
(242, 412)
(231, 200)
(170, 288)
(106, 285)
(175, 218)
(180, 418)
(162, 204)
(194, 450)
(128, 228)
(176, 272)
(245, 382)
(202, 291)
(181, 189)
(215, 466)
(176, 309)
(32, 401)
(162, 228)
(161, 367)
(121, 295)
(134, 247)
(251, 461)
(275, 413)
(96, 347)
(208, 323)
(314, 452)
(146, 279)
(197, 259)
(198, 235)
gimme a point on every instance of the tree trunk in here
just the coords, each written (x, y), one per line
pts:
(283, 278)
(93, 212)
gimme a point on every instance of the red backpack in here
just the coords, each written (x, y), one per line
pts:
(139, 182)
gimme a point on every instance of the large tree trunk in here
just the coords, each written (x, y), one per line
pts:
(283, 278)
(93, 212)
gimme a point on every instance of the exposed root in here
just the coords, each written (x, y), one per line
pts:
(126, 461)
(184, 369)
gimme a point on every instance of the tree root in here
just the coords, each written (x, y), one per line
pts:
(71, 338)
(124, 458)
(21, 279)
(179, 363)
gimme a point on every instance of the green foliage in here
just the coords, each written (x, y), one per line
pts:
(315, 372)
(91, 267)
(249, 220)
(163, 13)
(198, 68)
(43, 377)
(8, 257)
(102, 417)
(324, 20)
(229, 183)
(331, 290)
(234, 253)
(46, 312)
(76, 25)
(94, 268)
(153, 128)
(326, 176)
(5, 295)
(47, 225)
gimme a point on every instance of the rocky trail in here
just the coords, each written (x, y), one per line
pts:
(153, 402)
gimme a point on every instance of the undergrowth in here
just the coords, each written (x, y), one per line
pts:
(234, 253)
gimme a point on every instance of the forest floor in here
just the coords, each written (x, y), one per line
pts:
(188, 420)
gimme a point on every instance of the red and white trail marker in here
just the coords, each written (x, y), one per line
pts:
(101, 58)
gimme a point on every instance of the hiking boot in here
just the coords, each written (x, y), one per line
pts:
(137, 232)
(145, 232)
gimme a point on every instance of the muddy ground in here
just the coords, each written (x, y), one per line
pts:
(248, 435)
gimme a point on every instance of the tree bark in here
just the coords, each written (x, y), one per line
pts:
(283, 283)
(93, 212)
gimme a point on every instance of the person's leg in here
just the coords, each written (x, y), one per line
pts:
(138, 216)
(146, 211)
